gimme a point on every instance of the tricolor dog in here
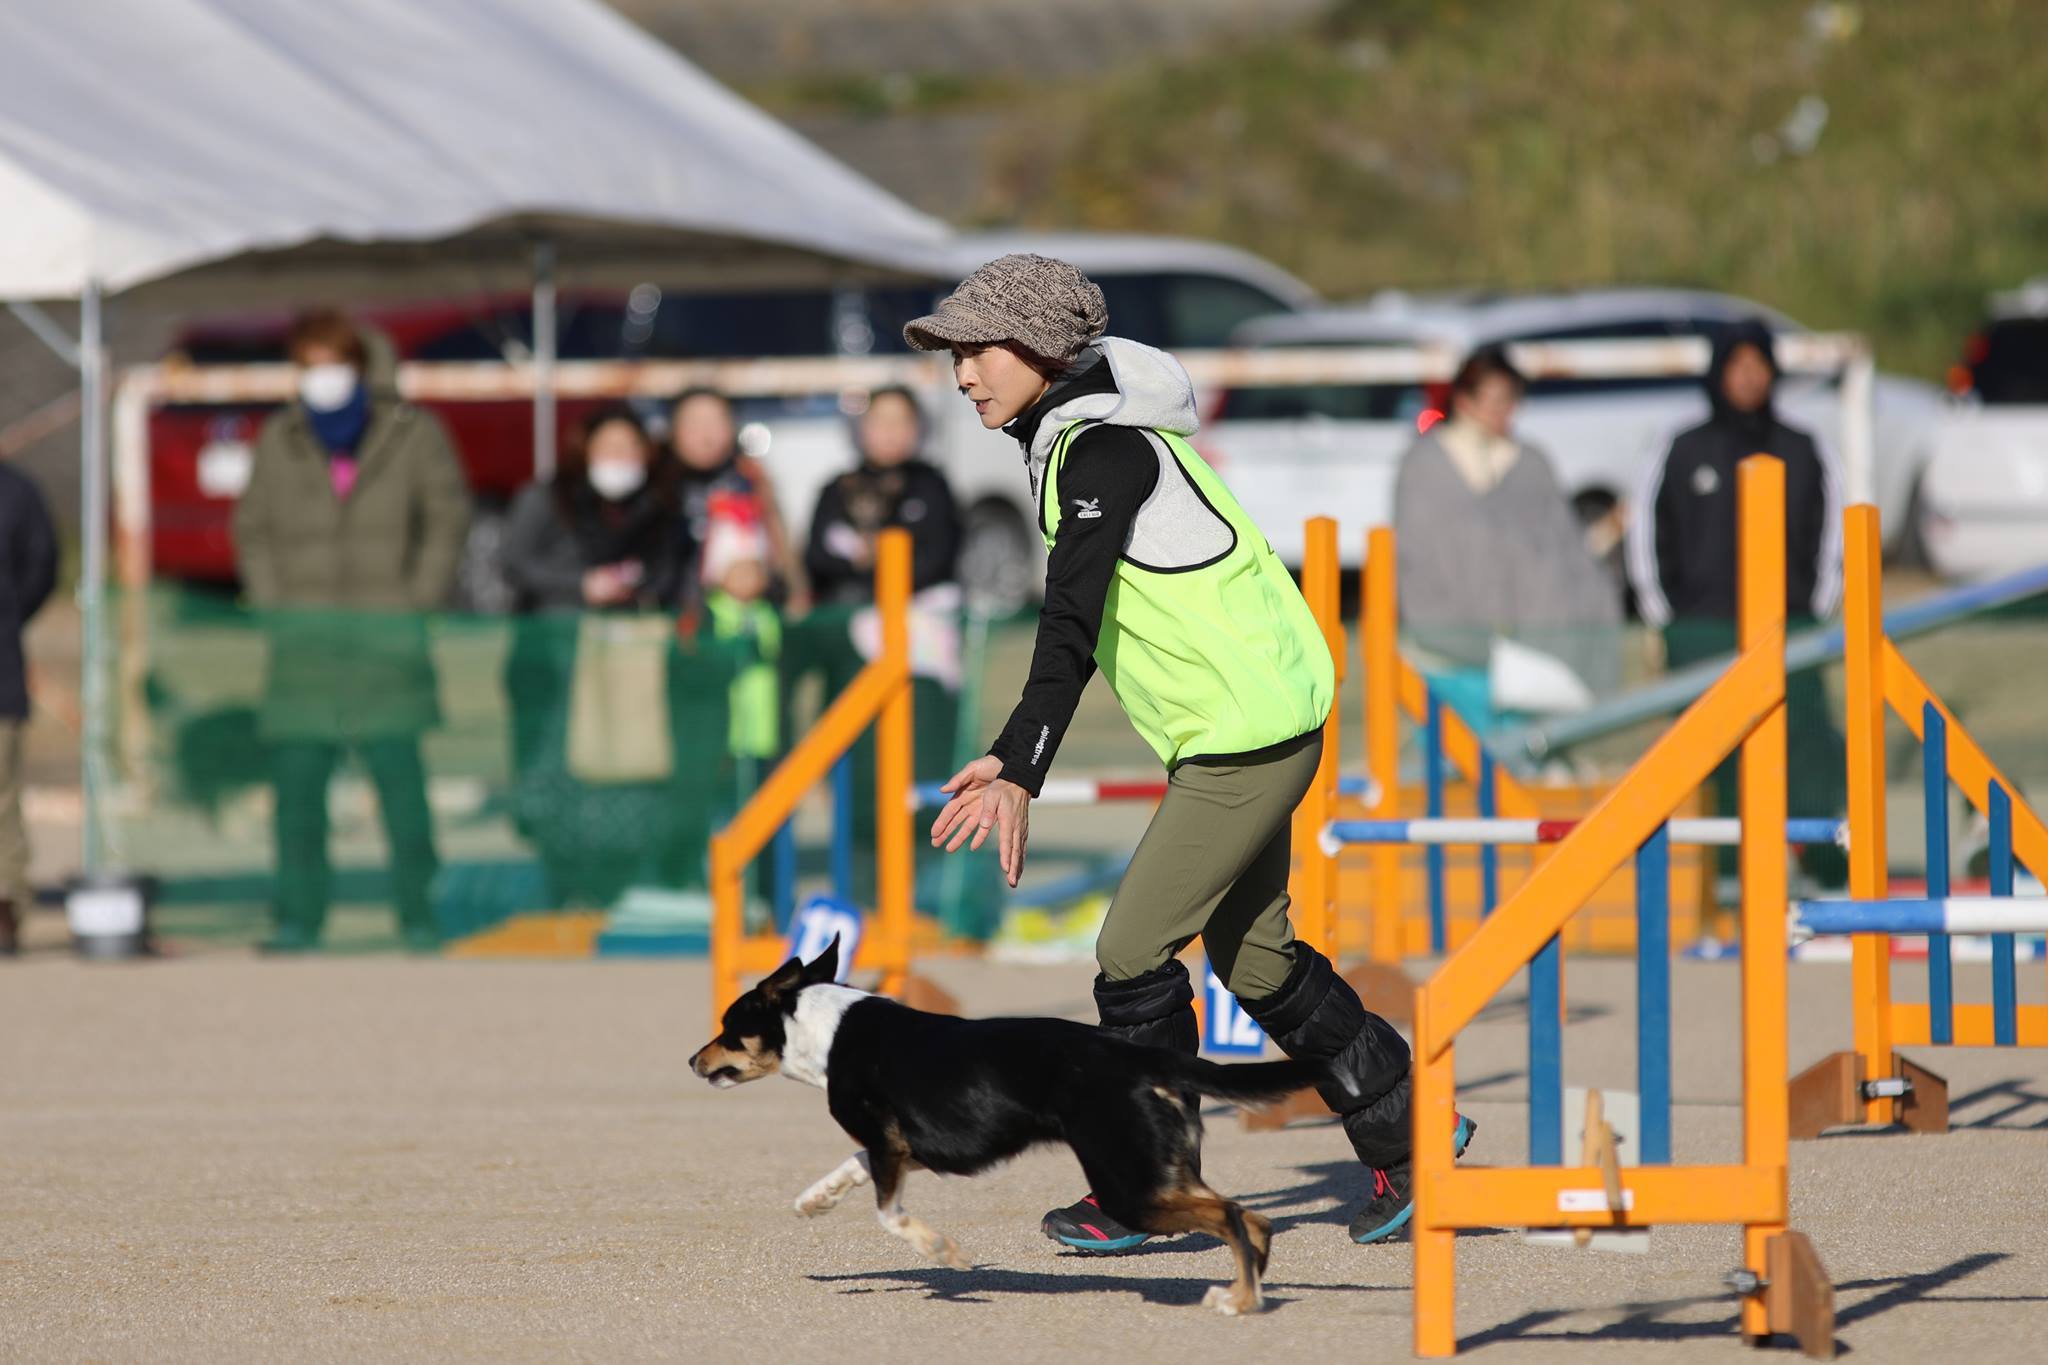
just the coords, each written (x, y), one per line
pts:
(930, 1092)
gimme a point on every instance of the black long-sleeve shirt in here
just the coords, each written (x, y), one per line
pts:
(1108, 473)
(913, 495)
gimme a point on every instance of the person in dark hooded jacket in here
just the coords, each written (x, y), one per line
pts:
(1683, 563)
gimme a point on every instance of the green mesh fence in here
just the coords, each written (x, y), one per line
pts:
(355, 780)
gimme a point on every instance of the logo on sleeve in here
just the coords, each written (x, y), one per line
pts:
(1705, 480)
(1087, 509)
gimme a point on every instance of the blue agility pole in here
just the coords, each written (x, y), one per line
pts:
(1433, 777)
(2005, 1026)
(842, 828)
(1653, 995)
(1941, 997)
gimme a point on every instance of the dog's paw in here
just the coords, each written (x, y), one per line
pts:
(947, 1252)
(1225, 1299)
(814, 1203)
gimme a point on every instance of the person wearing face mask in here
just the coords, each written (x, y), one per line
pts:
(704, 438)
(347, 535)
(600, 534)
(1490, 550)
(1682, 562)
(599, 537)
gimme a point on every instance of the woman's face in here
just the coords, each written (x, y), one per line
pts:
(703, 435)
(327, 377)
(617, 457)
(889, 431)
(998, 381)
(1491, 406)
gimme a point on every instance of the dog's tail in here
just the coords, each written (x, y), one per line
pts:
(1246, 1082)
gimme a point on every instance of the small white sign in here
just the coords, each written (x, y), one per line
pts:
(224, 468)
(104, 911)
(822, 919)
(1591, 1201)
(1230, 1030)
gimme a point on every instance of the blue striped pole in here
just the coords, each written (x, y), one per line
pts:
(1433, 773)
(1941, 999)
(1489, 854)
(1546, 1058)
(1917, 915)
(1653, 995)
(2005, 1028)
(784, 849)
(842, 827)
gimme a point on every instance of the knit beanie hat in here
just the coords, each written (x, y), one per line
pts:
(1047, 306)
(734, 535)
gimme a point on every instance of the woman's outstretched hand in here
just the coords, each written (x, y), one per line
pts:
(983, 801)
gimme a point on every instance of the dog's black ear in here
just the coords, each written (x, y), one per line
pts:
(825, 966)
(785, 978)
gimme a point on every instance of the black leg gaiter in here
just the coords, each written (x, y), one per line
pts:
(1316, 1016)
(1156, 1009)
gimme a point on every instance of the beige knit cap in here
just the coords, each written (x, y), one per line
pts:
(1047, 306)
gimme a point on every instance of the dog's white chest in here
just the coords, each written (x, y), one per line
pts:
(808, 1046)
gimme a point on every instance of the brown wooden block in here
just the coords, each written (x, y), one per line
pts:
(922, 993)
(1384, 989)
(1799, 1300)
(1826, 1095)
(1924, 1108)
(1302, 1104)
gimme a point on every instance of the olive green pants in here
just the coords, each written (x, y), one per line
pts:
(1214, 862)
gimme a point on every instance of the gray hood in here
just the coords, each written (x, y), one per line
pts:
(1152, 390)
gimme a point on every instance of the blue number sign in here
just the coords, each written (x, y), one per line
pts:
(1230, 1030)
(821, 919)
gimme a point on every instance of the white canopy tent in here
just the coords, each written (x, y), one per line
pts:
(209, 152)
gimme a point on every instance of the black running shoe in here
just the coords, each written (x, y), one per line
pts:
(1389, 1207)
(1085, 1227)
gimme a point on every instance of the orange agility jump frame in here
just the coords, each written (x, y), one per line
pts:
(1744, 709)
(879, 695)
(1848, 1087)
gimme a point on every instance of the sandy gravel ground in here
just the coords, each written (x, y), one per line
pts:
(227, 1159)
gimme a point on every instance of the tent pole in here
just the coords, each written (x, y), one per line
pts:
(92, 376)
(543, 358)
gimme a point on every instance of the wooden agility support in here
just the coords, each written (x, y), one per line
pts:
(1835, 1093)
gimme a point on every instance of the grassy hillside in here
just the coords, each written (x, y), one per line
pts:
(1546, 142)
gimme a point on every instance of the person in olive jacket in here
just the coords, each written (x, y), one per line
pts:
(349, 532)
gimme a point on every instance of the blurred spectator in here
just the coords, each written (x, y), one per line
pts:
(1490, 550)
(890, 487)
(741, 618)
(27, 573)
(705, 439)
(601, 533)
(349, 532)
(1682, 560)
(590, 554)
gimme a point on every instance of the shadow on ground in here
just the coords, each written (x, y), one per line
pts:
(1645, 1321)
(984, 1284)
